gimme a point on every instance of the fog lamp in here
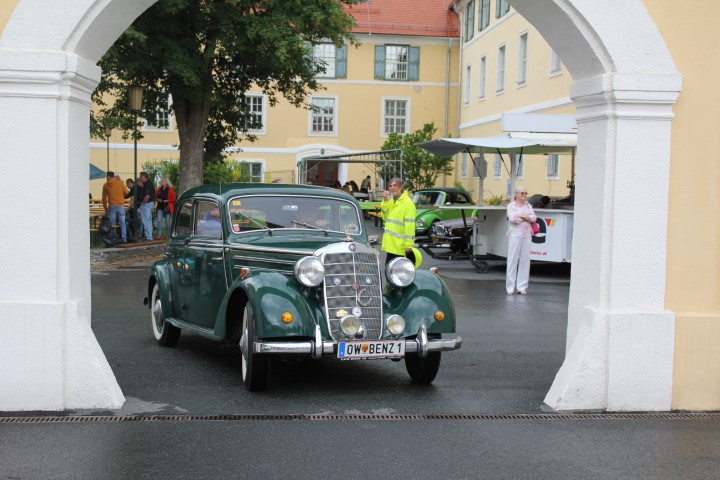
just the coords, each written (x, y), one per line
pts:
(395, 324)
(286, 317)
(439, 316)
(350, 325)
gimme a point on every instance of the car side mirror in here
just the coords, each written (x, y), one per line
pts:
(373, 240)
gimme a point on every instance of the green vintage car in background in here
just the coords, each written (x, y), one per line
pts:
(288, 270)
(427, 207)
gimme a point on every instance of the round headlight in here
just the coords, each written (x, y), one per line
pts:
(420, 222)
(309, 271)
(395, 324)
(400, 272)
(350, 325)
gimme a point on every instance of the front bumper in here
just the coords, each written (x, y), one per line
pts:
(421, 345)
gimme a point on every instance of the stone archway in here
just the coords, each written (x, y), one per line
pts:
(620, 339)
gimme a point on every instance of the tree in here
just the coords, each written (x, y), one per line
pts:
(206, 54)
(420, 167)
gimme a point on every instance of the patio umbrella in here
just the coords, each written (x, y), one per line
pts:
(96, 173)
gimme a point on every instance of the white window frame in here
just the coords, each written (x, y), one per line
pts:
(263, 114)
(497, 167)
(383, 102)
(171, 120)
(463, 165)
(482, 80)
(467, 84)
(555, 64)
(483, 15)
(335, 117)
(253, 161)
(329, 58)
(522, 59)
(500, 86)
(397, 67)
(550, 161)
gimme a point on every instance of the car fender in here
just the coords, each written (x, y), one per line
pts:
(160, 275)
(418, 302)
(271, 294)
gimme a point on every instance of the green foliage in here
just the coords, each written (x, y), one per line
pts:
(213, 172)
(420, 167)
(226, 172)
(169, 169)
(207, 55)
(496, 200)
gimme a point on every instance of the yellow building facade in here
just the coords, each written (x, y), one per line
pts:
(357, 111)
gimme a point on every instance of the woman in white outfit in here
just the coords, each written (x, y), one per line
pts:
(520, 215)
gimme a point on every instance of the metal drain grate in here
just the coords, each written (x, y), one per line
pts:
(359, 416)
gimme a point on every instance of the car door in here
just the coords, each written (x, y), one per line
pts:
(204, 262)
(175, 256)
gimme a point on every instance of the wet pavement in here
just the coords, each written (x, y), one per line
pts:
(187, 414)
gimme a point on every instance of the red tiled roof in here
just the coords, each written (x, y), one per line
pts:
(406, 17)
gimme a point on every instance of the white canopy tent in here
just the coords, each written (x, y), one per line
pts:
(515, 144)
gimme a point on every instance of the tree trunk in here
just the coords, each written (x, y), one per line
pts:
(191, 121)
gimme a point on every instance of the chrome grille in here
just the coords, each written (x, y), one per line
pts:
(352, 281)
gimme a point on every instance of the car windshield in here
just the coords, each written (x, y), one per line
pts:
(260, 212)
(421, 199)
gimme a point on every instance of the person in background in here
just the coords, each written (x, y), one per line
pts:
(113, 200)
(398, 213)
(337, 185)
(165, 206)
(147, 200)
(365, 184)
(354, 186)
(520, 215)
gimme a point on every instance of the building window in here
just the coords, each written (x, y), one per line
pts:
(395, 116)
(323, 116)
(483, 14)
(333, 59)
(467, 84)
(555, 63)
(470, 20)
(520, 170)
(497, 167)
(552, 167)
(257, 108)
(464, 165)
(501, 69)
(501, 8)
(162, 120)
(522, 59)
(482, 75)
(254, 169)
(397, 62)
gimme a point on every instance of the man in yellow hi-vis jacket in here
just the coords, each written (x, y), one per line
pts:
(398, 214)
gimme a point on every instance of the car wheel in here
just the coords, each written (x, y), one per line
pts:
(166, 334)
(422, 370)
(255, 366)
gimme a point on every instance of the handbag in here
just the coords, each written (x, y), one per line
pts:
(535, 227)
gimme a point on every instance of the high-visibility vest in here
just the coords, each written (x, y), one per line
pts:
(399, 218)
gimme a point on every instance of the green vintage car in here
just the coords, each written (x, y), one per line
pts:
(427, 207)
(288, 270)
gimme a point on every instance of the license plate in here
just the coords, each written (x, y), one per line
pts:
(363, 350)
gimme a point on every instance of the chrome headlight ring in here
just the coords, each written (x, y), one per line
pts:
(309, 271)
(400, 272)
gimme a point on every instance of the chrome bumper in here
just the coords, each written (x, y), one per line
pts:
(422, 345)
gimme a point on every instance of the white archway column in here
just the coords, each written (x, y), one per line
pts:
(620, 343)
(49, 356)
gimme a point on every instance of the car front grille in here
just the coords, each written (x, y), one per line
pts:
(352, 287)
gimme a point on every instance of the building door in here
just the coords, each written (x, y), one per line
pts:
(322, 173)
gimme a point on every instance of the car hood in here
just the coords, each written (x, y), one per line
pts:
(299, 240)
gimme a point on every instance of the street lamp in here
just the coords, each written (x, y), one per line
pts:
(135, 93)
(108, 132)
